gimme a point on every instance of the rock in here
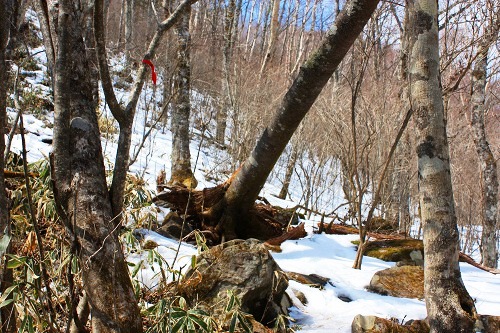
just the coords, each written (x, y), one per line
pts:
(372, 324)
(313, 280)
(396, 250)
(172, 226)
(300, 296)
(344, 298)
(248, 270)
(406, 281)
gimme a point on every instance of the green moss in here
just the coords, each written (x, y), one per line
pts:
(392, 249)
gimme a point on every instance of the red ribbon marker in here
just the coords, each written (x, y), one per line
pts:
(153, 73)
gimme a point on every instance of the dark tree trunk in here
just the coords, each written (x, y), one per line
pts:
(449, 306)
(181, 156)
(79, 180)
(312, 77)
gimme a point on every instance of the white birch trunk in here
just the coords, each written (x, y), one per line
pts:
(449, 306)
(487, 161)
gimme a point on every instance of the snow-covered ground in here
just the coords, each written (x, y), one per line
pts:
(327, 255)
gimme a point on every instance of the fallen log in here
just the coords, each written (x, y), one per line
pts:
(465, 258)
(293, 233)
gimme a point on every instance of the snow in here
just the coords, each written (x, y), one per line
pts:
(330, 256)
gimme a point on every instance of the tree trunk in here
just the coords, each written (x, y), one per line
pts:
(449, 306)
(227, 52)
(7, 314)
(181, 157)
(289, 173)
(311, 79)
(79, 180)
(487, 161)
(273, 37)
(129, 28)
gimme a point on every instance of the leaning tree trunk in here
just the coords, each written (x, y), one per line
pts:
(312, 77)
(181, 156)
(449, 306)
(487, 161)
(79, 180)
(7, 313)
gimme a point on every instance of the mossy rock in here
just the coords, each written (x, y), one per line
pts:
(396, 250)
(406, 281)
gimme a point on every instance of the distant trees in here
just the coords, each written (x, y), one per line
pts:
(232, 212)
(449, 306)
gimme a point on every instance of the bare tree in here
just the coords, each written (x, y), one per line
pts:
(79, 178)
(273, 37)
(449, 306)
(227, 54)
(311, 79)
(181, 156)
(487, 161)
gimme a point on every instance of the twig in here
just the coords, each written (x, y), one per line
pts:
(16, 120)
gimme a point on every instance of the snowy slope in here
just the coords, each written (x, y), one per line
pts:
(327, 255)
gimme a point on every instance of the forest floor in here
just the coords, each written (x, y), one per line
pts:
(330, 256)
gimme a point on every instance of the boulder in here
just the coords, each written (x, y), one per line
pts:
(248, 270)
(372, 324)
(405, 281)
(405, 250)
(172, 226)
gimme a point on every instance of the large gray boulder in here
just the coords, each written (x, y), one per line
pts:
(248, 270)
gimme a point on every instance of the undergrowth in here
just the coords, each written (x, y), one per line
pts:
(41, 310)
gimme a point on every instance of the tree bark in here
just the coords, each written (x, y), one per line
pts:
(181, 156)
(289, 172)
(311, 79)
(129, 27)
(273, 37)
(449, 306)
(79, 179)
(227, 54)
(487, 161)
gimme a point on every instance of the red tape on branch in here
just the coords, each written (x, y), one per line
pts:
(153, 73)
